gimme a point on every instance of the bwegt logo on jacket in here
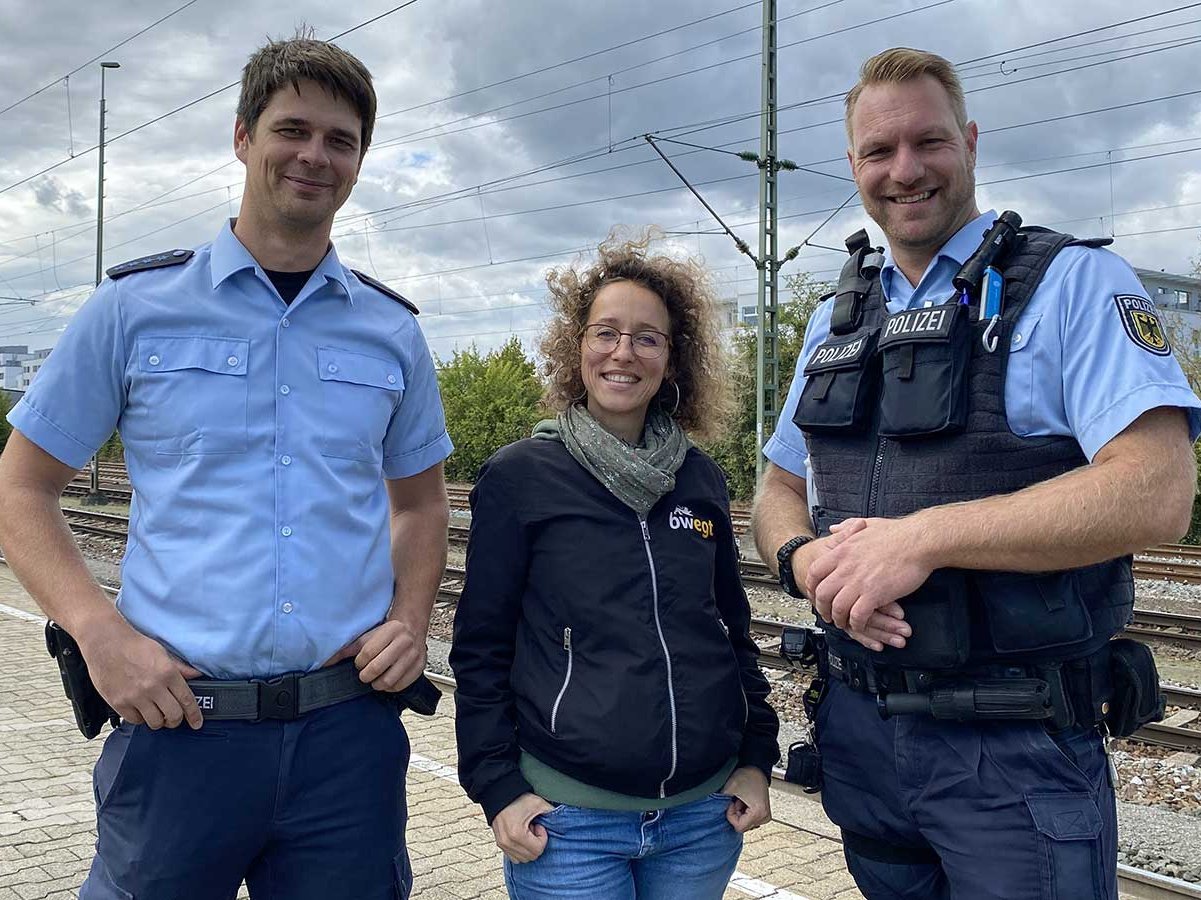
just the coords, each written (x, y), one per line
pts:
(682, 517)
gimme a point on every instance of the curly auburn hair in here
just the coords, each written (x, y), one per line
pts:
(697, 362)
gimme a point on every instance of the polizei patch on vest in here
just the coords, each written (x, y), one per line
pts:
(1142, 324)
(930, 324)
(841, 353)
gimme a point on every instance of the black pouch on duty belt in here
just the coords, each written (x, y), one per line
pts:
(840, 382)
(938, 614)
(804, 766)
(926, 354)
(1136, 698)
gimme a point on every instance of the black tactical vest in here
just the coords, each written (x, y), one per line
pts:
(907, 411)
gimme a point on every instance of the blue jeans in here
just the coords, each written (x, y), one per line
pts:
(685, 853)
(312, 809)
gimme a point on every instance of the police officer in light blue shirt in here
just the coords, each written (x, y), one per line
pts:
(1062, 351)
(285, 439)
(961, 513)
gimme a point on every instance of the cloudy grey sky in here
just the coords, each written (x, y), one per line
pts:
(509, 137)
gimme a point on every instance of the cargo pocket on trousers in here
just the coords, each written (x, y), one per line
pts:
(1069, 826)
(403, 873)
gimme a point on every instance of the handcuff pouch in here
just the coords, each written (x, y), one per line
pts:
(1136, 698)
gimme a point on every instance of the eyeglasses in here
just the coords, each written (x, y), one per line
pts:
(605, 338)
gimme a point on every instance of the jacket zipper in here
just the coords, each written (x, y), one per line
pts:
(671, 691)
(554, 713)
(877, 468)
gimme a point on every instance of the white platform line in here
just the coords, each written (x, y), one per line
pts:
(21, 614)
(752, 887)
(744, 884)
(433, 767)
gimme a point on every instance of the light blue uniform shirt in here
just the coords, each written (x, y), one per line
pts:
(1073, 369)
(258, 436)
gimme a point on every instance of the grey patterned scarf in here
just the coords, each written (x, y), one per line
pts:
(637, 476)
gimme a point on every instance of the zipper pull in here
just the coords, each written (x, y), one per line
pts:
(646, 532)
(567, 638)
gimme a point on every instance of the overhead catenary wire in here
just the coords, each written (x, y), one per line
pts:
(187, 105)
(730, 120)
(422, 133)
(98, 56)
(575, 59)
(1057, 117)
(611, 198)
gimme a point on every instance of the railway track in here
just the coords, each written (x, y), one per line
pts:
(91, 522)
(115, 492)
(1171, 562)
(769, 629)
(1132, 882)
(1150, 625)
(1178, 572)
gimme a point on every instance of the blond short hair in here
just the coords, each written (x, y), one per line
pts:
(902, 64)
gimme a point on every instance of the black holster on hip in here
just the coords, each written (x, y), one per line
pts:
(91, 710)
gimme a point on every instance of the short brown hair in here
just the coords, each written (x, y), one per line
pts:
(280, 63)
(904, 64)
(697, 361)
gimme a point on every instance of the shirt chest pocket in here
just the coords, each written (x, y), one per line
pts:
(195, 392)
(1019, 379)
(359, 394)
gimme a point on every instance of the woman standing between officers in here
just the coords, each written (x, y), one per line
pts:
(611, 717)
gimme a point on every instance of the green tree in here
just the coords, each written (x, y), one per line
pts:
(1194, 531)
(5, 428)
(1185, 339)
(112, 449)
(490, 400)
(735, 452)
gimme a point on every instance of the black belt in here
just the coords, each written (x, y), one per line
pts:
(285, 697)
(1061, 694)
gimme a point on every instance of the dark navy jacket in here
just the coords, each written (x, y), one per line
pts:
(616, 651)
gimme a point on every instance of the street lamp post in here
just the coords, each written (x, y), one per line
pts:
(95, 495)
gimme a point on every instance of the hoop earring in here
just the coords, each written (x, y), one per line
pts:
(675, 407)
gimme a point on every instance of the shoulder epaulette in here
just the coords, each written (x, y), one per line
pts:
(1094, 242)
(384, 289)
(155, 261)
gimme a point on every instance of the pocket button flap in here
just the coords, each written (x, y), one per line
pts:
(1065, 817)
(174, 353)
(359, 368)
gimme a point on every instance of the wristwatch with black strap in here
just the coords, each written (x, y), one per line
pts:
(784, 561)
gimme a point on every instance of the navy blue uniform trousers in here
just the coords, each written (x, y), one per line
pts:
(312, 809)
(972, 811)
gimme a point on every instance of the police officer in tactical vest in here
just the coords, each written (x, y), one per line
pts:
(986, 422)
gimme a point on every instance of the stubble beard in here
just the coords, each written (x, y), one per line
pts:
(955, 210)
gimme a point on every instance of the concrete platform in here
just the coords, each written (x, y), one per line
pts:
(47, 819)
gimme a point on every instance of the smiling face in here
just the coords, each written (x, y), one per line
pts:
(301, 160)
(914, 166)
(621, 384)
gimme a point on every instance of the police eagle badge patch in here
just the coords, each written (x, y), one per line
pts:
(1142, 324)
